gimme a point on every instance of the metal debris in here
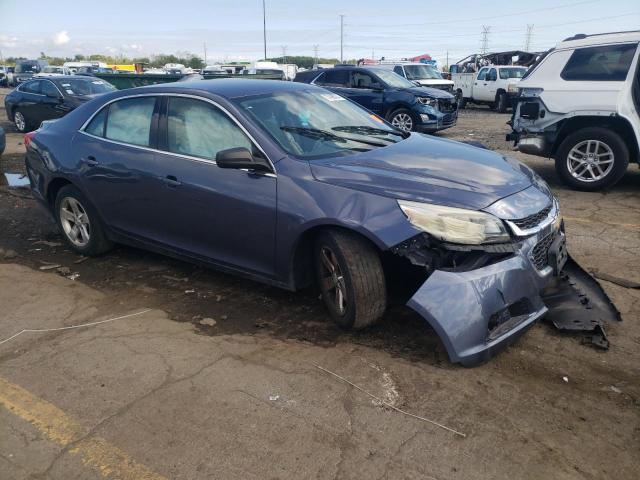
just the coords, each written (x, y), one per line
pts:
(17, 180)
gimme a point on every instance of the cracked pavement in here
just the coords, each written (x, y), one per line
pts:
(243, 399)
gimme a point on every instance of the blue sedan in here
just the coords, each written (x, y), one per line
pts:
(291, 184)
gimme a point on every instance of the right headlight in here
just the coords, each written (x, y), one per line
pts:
(455, 225)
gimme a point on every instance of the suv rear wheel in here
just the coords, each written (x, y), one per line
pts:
(351, 279)
(592, 159)
(502, 102)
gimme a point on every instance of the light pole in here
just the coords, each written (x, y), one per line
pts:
(264, 28)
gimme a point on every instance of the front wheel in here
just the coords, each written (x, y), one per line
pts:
(592, 159)
(403, 120)
(351, 279)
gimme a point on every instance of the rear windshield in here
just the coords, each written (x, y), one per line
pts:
(27, 67)
(605, 63)
(90, 86)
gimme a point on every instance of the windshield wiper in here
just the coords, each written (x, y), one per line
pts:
(318, 134)
(367, 130)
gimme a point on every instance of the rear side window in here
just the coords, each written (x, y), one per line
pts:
(483, 74)
(398, 69)
(129, 121)
(49, 88)
(31, 87)
(199, 129)
(96, 126)
(334, 78)
(607, 63)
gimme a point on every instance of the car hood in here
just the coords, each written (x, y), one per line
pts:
(428, 92)
(434, 81)
(431, 170)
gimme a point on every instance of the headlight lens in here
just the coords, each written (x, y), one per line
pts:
(512, 88)
(455, 225)
(432, 102)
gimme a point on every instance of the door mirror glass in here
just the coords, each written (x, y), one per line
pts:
(240, 157)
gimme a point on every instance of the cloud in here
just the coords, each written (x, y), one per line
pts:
(61, 38)
(8, 41)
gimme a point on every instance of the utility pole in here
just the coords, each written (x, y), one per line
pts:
(205, 54)
(264, 28)
(447, 60)
(485, 39)
(527, 41)
(315, 53)
(284, 54)
(341, 37)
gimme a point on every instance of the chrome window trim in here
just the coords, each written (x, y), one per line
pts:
(551, 217)
(25, 82)
(166, 152)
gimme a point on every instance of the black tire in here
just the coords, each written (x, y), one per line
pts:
(399, 113)
(607, 137)
(461, 101)
(21, 127)
(502, 102)
(360, 273)
(98, 242)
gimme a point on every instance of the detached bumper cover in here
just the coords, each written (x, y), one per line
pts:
(477, 313)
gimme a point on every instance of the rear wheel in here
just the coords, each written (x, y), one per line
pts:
(502, 102)
(20, 121)
(403, 119)
(79, 222)
(351, 279)
(461, 101)
(592, 159)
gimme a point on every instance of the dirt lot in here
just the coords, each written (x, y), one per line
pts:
(217, 377)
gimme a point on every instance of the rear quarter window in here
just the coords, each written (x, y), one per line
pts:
(608, 63)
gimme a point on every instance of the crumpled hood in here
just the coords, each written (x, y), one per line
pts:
(422, 168)
(428, 92)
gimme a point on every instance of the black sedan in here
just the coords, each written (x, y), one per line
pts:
(49, 98)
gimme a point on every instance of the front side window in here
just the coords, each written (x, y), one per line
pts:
(606, 63)
(364, 80)
(49, 89)
(32, 87)
(398, 69)
(199, 129)
(422, 72)
(334, 78)
(129, 121)
(492, 76)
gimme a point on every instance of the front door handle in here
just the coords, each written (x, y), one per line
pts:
(91, 161)
(171, 181)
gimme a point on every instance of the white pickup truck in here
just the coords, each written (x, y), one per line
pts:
(493, 85)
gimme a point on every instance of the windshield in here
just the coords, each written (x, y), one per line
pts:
(512, 73)
(393, 79)
(80, 86)
(316, 123)
(422, 72)
(53, 70)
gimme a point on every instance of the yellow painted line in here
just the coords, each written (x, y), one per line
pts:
(634, 226)
(94, 451)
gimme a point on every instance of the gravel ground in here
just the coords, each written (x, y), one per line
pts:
(219, 379)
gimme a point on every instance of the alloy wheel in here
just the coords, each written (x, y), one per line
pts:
(75, 222)
(20, 122)
(590, 160)
(403, 121)
(332, 280)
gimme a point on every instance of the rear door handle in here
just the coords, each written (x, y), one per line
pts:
(91, 161)
(171, 181)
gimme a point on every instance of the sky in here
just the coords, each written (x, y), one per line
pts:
(233, 30)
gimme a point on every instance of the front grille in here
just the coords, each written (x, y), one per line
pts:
(532, 221)
(448, 120)
(540, 253)
(446, 106)
(446, 88)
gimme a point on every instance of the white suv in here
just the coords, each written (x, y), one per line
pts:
(579, 104)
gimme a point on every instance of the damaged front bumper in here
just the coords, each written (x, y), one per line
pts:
(477, 312)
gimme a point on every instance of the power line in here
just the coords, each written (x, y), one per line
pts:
(527, 41)
(485, 39)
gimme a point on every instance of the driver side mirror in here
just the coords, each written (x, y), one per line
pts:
(239, 158)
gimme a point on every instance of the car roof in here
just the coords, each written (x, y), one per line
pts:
(582, 40)
(228, 87)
